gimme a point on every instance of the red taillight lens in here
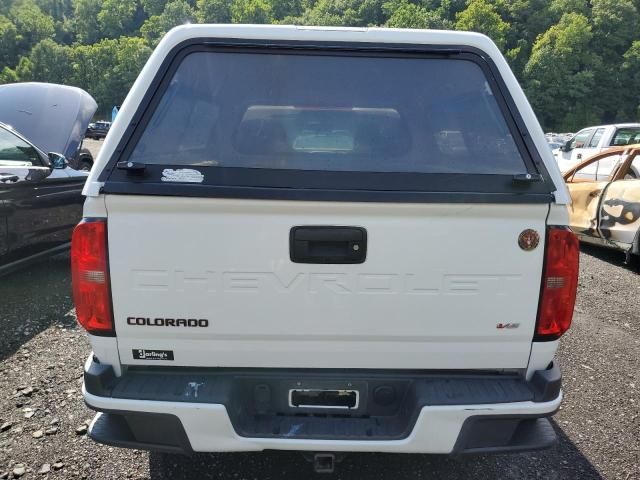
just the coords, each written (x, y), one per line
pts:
(559, 284)
(90, 277)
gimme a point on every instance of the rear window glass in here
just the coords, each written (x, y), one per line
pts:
(331, 113)
(626, 136)
(16, 152)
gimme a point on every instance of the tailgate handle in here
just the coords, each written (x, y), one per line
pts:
(317, 244)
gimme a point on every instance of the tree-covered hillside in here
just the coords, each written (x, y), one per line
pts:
(579, 60)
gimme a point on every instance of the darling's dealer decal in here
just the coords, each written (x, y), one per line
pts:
(143, 354)
(183, 175)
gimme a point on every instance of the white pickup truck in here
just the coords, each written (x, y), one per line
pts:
(327, 240)
(592, 140)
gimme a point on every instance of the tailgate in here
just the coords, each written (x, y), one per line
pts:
(419, 156)
(437, 284)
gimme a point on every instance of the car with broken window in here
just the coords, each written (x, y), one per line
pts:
(326, 240)
(605, 208)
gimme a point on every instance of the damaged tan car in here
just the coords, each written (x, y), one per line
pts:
(606, 207)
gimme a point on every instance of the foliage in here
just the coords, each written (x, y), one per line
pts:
(560, 73)
(251, 11)
(8, 41)
(31, 25)
(482, 16)
(176, 12)
(404, 14)
(578, 60)
(85, 16)
(117, 17)
(630, 82)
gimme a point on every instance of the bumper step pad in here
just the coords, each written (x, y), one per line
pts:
(259, 405)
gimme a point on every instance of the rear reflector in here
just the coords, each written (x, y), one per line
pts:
(90, 277)
(559, 284)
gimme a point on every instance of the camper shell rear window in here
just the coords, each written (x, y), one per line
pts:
(325, 121)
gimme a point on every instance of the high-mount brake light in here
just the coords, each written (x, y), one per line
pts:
(90, 277)
(559, 284)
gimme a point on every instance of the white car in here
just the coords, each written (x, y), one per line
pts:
(592, 140)
(324, 239)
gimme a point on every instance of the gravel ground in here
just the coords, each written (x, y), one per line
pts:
(43, 418)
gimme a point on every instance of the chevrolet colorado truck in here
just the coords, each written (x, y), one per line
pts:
(325, 240)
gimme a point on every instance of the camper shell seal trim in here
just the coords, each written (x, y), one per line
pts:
(230, 182)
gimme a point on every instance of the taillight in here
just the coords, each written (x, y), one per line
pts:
(559, 284)
(90, 277)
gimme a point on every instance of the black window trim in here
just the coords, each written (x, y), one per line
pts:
(591, 137)
(44, 160)
(615, 134)
(434, 187)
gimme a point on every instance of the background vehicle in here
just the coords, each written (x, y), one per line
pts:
(592, 140)
(40, 195)
(38, 108)
(98, 130)
(82, 160)
(607, 211)
(322, 239)
(558, 137)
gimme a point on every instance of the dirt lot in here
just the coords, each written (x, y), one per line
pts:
(93, 146)
(43, 419)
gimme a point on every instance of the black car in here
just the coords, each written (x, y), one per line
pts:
(98, 130)
(40, 194)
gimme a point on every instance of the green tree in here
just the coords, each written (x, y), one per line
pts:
(23, 70)
(615, 26)
(251, 11)
(91, 65)
(527, 20)
(447, 9)
(615, 23)
(559, 74)
(31, 24)
(57, 9)
(213, 11)
(482, 16)
(153, 7)
(404, 14)
(176, 12)
(283, 8)
(50, 62)
(132, 53)
(343, 13)
(85, 19)
(117, 17)
(630, 71)
(108, 68)
(557, 8)
(578, 59)
(8, 42)
(372, 12)
(8, 75)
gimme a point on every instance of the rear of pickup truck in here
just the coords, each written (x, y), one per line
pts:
(324, 240)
